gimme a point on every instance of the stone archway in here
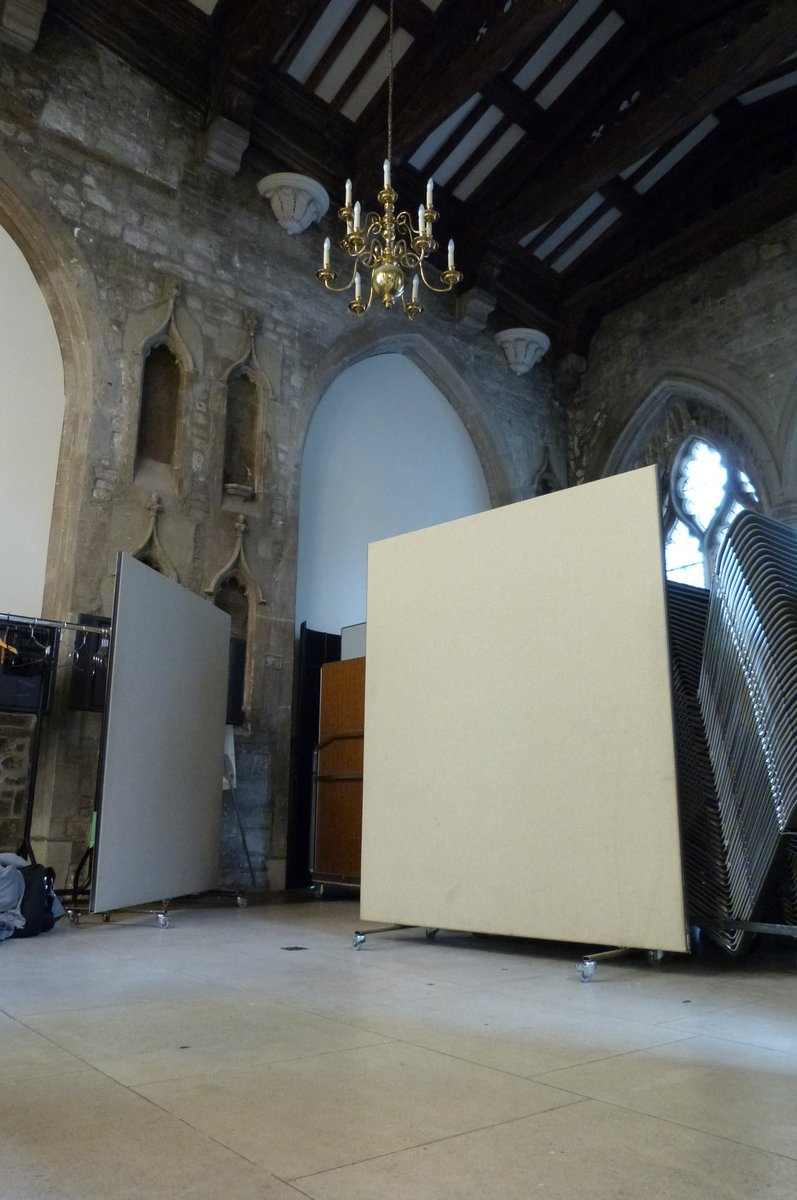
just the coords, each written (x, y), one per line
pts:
(68, 287)
(469, 407)
(678, 405)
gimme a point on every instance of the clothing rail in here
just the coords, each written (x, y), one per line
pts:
(17, 620)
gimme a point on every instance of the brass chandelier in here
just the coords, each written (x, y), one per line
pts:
(388, 245)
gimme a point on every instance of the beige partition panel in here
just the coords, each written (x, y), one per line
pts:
(519, 771)
(159, 811)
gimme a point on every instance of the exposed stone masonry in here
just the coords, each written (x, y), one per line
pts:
(16, 732)
(712, 350)
(103, 160)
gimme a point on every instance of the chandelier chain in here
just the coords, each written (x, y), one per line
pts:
(390, 87)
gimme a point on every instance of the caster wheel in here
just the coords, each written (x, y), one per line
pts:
(655, 957)
(106, 918)
(585, 970)
(432, 934)
(163, 920)
(241, 901)
(697, 943)
(74, 918)
(359, 941)
(319, 891)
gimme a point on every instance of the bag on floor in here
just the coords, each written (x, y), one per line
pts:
(37, 902)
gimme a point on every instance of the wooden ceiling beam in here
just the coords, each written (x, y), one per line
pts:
(250, 33)
(415, 17)
(601, 84)
(442, 73)
(744, 154)
(757, 209)
(337, 44)
(294, 131)
(705, 71)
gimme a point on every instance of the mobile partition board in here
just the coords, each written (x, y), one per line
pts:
(519, 773)
(159, 806)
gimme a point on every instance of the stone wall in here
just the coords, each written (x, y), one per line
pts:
(711, 350)
(16, 732)
(135, 239)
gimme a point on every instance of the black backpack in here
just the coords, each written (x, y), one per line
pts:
(37, 902)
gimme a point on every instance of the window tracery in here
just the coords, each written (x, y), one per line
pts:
(705, 490)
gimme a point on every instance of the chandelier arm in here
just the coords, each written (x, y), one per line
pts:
(439, 290)
(346, 286)
(411, 259)
(404, 222)
(372, 255)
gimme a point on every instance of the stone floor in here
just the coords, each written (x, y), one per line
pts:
(243, 1054)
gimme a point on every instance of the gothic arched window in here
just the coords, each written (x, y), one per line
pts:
(707, 489)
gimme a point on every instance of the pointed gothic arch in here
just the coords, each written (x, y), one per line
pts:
(679, 404)
(70, 292)
(493, 455)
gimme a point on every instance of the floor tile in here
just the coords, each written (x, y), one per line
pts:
(589, 1151)
(27, 1055)
(505, 1031)
(745, 1093)
(47, 986)
(315, 1113)
(772, 1023)
(456, 1067)
(84, 1137)
(637, 991)
(172, 1040)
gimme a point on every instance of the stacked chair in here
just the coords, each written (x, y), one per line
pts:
(736, 731)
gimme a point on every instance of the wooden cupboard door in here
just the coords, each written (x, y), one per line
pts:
(338, 822)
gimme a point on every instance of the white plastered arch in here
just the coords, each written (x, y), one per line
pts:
(469, 407)
(68, 287)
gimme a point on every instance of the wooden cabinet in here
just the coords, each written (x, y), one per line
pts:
(337, 824)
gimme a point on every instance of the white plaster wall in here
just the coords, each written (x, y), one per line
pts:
(385, 454)
(31, 417)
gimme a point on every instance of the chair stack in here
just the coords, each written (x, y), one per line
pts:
(748, 702)
(705, 858)
(788, 887)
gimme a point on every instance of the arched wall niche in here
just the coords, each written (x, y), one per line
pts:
(466, 403)
(161, 388)
(164, 354)
(246, 396)
(680, 405)
(69, 289)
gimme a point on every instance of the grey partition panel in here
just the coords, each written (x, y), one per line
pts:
(519, 757)
(163, 743)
